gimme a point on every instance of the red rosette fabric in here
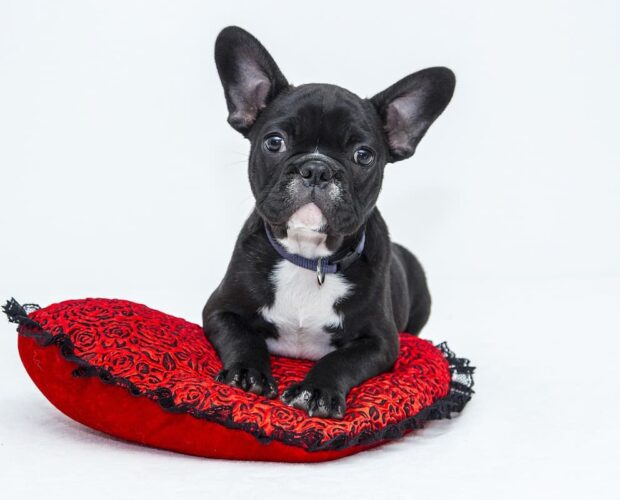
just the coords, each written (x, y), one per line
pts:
(148, 377)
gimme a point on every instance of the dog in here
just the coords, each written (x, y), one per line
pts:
(313, 273)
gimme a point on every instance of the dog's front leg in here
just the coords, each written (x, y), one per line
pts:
(243, 352)
(322, 393)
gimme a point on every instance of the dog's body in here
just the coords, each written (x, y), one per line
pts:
(316, 168)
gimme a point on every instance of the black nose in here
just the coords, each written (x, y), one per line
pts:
(315, 173)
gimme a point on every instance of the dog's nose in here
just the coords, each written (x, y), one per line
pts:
(315, 173)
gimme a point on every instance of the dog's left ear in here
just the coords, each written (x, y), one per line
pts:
(411, 105)
(249, 75)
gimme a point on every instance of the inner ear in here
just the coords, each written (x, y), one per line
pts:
(249, 75)
(411, 105)
(248, 96)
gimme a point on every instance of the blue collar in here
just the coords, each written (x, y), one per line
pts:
(322, 265)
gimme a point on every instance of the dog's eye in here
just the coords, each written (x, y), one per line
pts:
(363, 156)
(275, 143)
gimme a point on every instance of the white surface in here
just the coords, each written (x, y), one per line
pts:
(120, 177)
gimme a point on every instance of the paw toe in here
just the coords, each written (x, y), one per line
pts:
(249, 379)
(316, 402)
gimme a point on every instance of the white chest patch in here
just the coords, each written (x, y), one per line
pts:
(301, 311)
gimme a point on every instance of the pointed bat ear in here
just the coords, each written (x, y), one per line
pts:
(249, 75)
(411, 105)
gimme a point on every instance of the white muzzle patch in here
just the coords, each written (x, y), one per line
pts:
(307, 217)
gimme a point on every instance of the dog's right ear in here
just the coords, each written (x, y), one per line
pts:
(249, 75)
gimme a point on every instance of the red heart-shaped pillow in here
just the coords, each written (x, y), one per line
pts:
(148, 377)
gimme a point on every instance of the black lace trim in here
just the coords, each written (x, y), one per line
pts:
(461, 391)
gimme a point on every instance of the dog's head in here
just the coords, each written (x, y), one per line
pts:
(318, 147)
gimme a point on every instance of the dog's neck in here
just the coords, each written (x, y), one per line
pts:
(305, 234)
(305, 242)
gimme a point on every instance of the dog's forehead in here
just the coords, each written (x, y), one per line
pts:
(326, 97)
(313, 109)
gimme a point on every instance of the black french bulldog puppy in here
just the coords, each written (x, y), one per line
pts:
(314, 274)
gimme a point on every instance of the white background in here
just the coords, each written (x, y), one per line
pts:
(119, 177)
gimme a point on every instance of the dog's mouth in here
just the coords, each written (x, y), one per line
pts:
(289, 208)
(308, 218)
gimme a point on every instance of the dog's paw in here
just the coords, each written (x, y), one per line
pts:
(315, 401)
(249, 379)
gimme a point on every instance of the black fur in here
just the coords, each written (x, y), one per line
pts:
(389, 287)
